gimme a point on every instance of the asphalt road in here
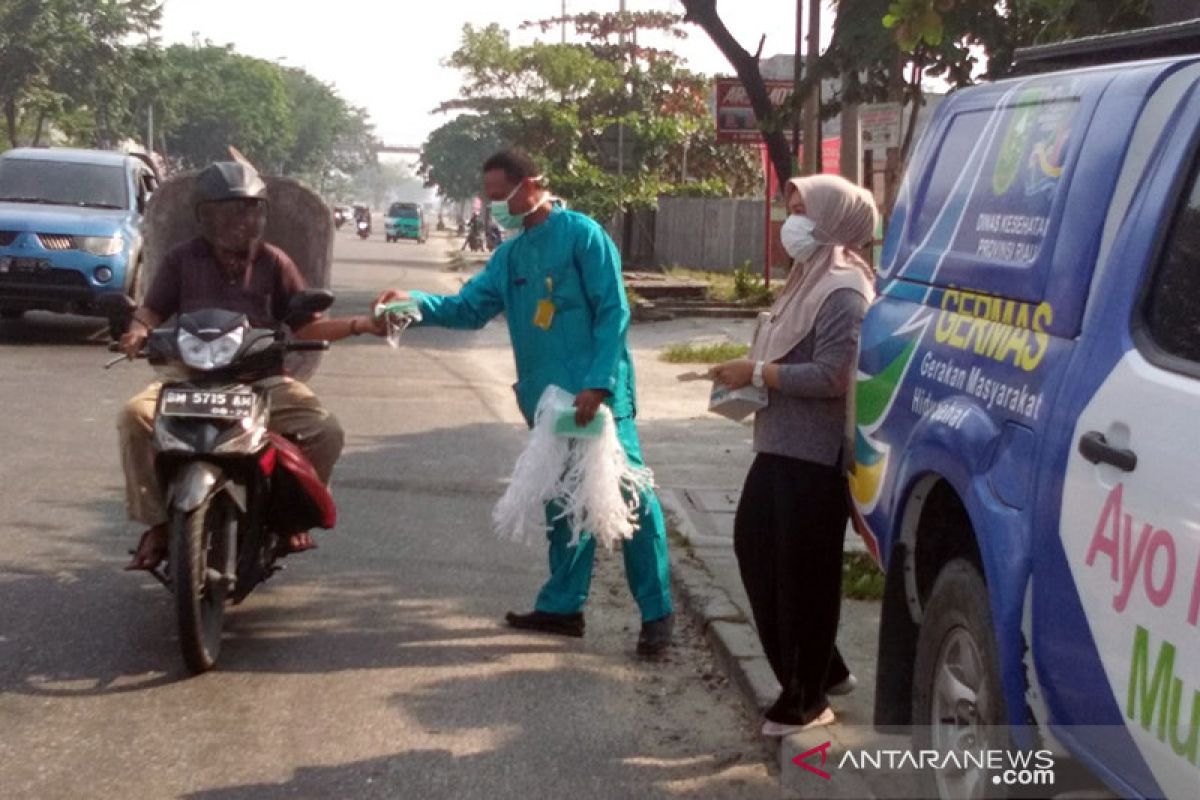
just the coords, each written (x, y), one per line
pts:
(374, 666)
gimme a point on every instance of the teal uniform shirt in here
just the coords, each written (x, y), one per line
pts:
(569, 260)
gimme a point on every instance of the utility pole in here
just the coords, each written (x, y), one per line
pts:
(797, 75)
(621, 125)
(564, 21)
(812, 104)
(150, 129)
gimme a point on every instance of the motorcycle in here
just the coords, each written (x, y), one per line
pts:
(494, 237)
(235, 489)
(364, 229)
(339, 218)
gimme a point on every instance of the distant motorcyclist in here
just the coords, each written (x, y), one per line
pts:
(230, 267)
(495, 236)
(474, 240)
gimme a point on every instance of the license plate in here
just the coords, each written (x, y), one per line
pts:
(26, 265)
(214, 405)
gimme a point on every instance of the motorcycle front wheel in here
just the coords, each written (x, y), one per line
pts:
(197, 557)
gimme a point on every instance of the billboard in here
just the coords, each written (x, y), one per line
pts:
(736, 121)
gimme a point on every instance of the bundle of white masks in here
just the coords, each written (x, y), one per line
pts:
(398, 314)
(587, 477)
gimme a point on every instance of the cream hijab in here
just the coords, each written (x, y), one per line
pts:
(845, 216)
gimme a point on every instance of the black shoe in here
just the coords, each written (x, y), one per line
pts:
(546, 622)
(655, 637)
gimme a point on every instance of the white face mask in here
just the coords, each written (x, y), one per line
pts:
(797, 236)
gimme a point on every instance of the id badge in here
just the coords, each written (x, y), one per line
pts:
(544, 316)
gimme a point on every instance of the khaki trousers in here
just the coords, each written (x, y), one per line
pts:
(295, 412)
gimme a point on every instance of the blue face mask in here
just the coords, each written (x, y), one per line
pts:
(505, 218)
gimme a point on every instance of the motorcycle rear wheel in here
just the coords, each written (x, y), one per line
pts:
(197, 540)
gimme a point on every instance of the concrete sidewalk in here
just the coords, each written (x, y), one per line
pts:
(700, 461)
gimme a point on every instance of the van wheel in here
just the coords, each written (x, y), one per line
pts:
(957, 701)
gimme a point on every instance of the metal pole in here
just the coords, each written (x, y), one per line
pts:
(150, 129)
(564, 21)
(797, 74)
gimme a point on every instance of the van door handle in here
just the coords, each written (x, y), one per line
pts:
(1095, 448)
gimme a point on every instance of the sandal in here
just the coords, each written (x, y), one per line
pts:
(151, 550)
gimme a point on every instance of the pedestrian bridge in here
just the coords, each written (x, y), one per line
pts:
(405, 149)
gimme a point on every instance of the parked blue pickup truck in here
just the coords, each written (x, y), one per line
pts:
(1028, 421)
(70, 228)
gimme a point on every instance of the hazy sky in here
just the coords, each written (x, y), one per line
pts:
(385, 55)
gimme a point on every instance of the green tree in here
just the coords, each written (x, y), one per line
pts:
(63, 57)
(453, 154)
(570, 104)
(329, 134)
(220, 98)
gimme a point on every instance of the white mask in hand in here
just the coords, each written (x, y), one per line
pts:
(797, 236)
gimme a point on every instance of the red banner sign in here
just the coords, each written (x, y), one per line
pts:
(736, 121)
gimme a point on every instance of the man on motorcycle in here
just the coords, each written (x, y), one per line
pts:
(228, 266)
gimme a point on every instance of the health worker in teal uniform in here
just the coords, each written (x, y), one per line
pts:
(558, 282)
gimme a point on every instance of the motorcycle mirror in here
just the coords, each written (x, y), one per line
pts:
(306, 303)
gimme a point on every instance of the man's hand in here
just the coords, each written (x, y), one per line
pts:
(734, 374)
(133, 339)
(587, 403)
(389, 296)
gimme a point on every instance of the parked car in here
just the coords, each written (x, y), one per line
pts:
(70, 228)
(405, 221)
(1028, 422)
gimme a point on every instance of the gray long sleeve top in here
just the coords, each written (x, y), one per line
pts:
(806, 417)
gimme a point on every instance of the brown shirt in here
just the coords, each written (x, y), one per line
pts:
(190, 278)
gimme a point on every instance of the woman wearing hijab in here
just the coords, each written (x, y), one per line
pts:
(791, 520)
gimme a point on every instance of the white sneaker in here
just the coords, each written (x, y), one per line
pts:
(845, 687)
(770, 728)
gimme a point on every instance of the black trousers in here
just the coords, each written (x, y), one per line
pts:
(788, 537)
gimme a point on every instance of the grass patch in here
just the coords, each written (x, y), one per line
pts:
(717, 353)
(861, 577)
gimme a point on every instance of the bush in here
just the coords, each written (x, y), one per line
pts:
(861, 577)
(749, 288)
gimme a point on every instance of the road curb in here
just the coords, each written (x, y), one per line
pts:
(735, 642)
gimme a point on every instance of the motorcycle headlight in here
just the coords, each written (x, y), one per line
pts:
(101, 245)
(200, 354)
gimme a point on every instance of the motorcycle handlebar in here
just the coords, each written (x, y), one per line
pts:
(293, 347)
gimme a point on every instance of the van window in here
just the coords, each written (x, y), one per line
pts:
(961, 137)
(992, 189)
(1173, 301)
